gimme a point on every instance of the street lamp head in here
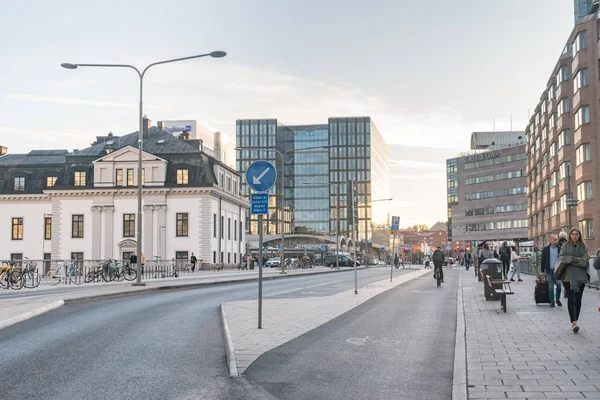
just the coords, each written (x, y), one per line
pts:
(69, 65)
(218, 54)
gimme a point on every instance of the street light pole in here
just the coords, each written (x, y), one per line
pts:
(214, 54)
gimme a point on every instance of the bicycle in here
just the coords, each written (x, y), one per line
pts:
(438, 276)
(127, 273)
(9, 277)
(72, 273)
(31, 278)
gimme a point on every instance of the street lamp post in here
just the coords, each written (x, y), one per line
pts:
(282, 154)
(214, 54)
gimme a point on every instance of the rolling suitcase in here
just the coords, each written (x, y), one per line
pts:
(542, 292)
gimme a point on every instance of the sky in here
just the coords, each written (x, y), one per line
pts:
(428, 72)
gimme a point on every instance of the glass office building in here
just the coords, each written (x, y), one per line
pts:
(581, 8)
(357, 152)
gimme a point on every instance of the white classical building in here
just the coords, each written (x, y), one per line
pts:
(82, 205)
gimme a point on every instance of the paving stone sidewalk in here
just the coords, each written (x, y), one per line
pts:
(286, 319)
(530, 352)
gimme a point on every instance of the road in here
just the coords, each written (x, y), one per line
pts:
(409, 353)
(160, 345)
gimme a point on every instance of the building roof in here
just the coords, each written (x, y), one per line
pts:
(157, 142)
(35, 157)
(440, 226)
(497, 140)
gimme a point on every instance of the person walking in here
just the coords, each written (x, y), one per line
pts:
(505, 258)
(549, 259)
(438, 261)
(396, 262)
(193, 260)
(574, 256)
(562, 239)
(467, 261)
(133, 261)
(143, 260)
(515, 259)
(535, 260)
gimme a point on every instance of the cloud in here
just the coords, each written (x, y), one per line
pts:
(417, 164)
(74, 101)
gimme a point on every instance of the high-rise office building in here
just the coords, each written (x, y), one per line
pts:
(563, 146)
(581, 8)
(355, 151)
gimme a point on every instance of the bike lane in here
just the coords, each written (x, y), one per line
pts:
(398, 345)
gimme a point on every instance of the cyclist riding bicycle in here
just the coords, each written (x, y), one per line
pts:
(438, 260)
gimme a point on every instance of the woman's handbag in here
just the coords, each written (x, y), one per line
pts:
(560, 270)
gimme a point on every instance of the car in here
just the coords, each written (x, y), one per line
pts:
(273, 262)
(344, 261)
(372, 262)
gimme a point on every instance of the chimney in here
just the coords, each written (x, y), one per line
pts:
(161, 125)
(146, 126)
(3, 150)
(218, 145)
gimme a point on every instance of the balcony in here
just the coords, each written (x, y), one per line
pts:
(576, 58)
(577, 99)
(583, 134)
(560, 121)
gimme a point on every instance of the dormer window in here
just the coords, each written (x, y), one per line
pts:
(182, 176)
(79, 178)
(50, 181)
(19, 184)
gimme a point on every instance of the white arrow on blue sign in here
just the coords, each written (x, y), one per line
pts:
(448, 247)
(261, 176)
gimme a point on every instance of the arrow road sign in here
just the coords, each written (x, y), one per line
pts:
(261, 176)
(448, 246)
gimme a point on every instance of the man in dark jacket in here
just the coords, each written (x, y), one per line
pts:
(438, 261)
(562, 238)
(505, 258)
(550, 256)
(193, 260)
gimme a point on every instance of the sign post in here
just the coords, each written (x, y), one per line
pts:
(260, 177)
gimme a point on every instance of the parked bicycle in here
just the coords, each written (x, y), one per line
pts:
(65, 272)
(31, 278)
(10, 277)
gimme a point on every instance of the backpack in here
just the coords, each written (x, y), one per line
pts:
(438, 256)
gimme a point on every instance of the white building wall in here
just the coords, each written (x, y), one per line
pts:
(68, 245)
(33, 244)
(182, 204)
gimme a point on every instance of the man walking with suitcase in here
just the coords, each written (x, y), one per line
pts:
(549, 258)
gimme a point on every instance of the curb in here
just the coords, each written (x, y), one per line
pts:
(184, 286)
(31, 314)
(459, 380)
(229, 350)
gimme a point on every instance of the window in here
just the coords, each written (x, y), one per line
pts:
(565, 169)
(47, 228)
(580, 42)
(18, 257)
(234, 230)
(228, 258)
(581, 79)
(229, 228)
(563, 74)
(564, 138)
(235, 258)
(17, 229)
(587, 228)
(77, 227)
(182, 176)
(582, 116)
(229, 183)
(47, 262)
(563, 106)
(235, 186)
(214, 257)
(128, 225)
(222, 230)
(130, 177)
(19, 183)
(241, 230)
(552, 92)
(119, 178)
(79, 178)
(583, 154)
(221, 181)
(584, 190)
(50, 181)
(143, 176)
(214, 225)
(181, 258)
(182, 224)
(77, 259)
(221, 259)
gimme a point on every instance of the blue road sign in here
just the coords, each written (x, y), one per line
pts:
(323, 247)
(261, 176)
(382, 249)
(305, 252)
(260, 203)
(448, 246)
(395, 224)
(409, 247)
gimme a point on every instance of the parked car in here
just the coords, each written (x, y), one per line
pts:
(273, 262)
(372, 262)
(344, 261)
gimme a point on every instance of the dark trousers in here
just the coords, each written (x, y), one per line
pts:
(505, 266)
(574, 300)
(438, 267)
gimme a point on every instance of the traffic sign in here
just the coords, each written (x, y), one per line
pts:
(408, 247)
(305, 252)
(395, 224)
(261, 176)
(382, 249)
(265, 250)
(260, 203)
(323, 247)
(448, 246)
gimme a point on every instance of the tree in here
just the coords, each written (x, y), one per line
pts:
(419, 228)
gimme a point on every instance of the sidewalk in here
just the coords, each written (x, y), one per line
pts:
(19, 305)
(530, 352)
(286, 319)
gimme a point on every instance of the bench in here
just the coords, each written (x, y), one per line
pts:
(217, 267)
(502, 292)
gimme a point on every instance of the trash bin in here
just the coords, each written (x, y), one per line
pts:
(493, 268)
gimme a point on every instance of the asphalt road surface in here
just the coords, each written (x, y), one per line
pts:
(398, 345)
(160, 345)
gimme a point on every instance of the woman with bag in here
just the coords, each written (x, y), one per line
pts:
(572, 270)
(516, 262)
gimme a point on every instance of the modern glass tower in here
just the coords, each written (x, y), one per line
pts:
(357, 152)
